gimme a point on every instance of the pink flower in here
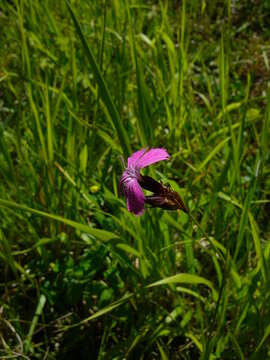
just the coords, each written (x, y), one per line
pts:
(131, 178)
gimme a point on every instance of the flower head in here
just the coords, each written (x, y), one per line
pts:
(131, 178)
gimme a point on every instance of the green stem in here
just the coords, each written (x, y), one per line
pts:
(222, 256)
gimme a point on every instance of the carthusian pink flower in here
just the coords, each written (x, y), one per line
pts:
(131, 180)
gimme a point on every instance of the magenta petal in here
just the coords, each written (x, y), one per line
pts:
(135, 197)
(152, 156)
(135, 156)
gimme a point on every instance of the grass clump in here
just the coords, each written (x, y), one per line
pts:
(83, 83)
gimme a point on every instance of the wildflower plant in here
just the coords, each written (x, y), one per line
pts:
(132, 182)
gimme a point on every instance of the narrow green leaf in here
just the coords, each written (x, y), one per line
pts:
(237, 347)
(39, 309)
(99, 234)
(83, 159)
(49, 124)
(228, 108)
(38, 124)
(195, 340)
(103, 311)
(257, 244)
(265, 336)
(219, 147)
(185, 278)
(145, 124)
(244, 217)
(103, 89)
(162, 352)
(128, 249)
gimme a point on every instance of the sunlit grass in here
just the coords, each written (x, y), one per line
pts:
(85, 83)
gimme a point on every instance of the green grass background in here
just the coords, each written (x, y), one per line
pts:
(82, 85)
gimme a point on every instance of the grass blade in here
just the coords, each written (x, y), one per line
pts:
(39, 309)
(185, 278)
(103, 89)
(99, 234)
